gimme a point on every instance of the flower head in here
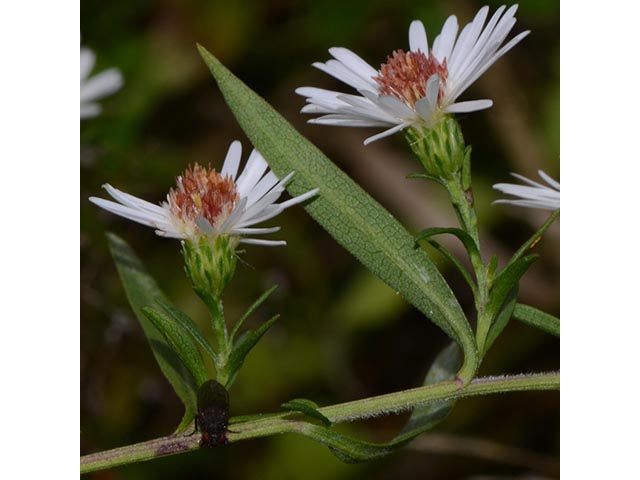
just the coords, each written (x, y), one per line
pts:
(94, 88)
(533, 194)
(416, 87)
(206, 204)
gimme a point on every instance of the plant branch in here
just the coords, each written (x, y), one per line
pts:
(289, 422)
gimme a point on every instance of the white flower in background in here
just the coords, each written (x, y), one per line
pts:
(207, 203)
(415, 87)
(533, 194)
(94, 88)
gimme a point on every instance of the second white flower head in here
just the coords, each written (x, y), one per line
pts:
(206, 203)
(418, 86)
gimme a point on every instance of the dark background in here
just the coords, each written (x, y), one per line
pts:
(343, 334)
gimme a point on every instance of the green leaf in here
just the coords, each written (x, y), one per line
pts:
(536, 318)
(142, 291)
(190, 326)
(443, 368)
(491, 269)
(506, 281)
(468, 242)
(535, 238)
(347, 212)
(502, 319)
(242, 347)
(422, 419)
(502, 300)
(456, 263)
(180, 341)
(307, 407)
(252, 309)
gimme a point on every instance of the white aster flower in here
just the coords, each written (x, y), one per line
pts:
(533, 194)
(206, 203)
(94, 88)
(415, 87)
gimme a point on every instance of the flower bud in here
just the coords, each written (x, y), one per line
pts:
(440, 149)
(210, 263)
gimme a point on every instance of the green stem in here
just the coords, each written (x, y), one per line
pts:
(286, 421)
(462, 201)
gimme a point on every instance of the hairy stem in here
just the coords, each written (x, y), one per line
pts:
(287, 422)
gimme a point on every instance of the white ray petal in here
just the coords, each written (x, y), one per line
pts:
(255, 231)
(418, 37)
(101, 85)
(470, 106)
(87, 62)
(232, 160)
(386, 133)
(354, 63)
(253, 171)
(443, 44)
(266, 243)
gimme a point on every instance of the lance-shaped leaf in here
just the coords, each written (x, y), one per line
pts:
(505, 282)
(241, 349)
(502, 319)
(142, 291)
(422, 419)
(536, 318)
(347, 212)
(308, 408)
(190, 326)
(180, 341)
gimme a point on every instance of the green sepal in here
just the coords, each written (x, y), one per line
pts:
(185, 321)
(537, 318)
(466, 169)
(142, 291)
(440, 148)
(250, 311)
(426, 176)
(181, 341)
(210, 263)
(241, 349)
(347, 212)
(307, 407)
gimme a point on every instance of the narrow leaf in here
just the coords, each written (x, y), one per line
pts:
(456, 263)
(491, 269)
(347, 212)
(464, 237)
(243, 346)
(423, 418)
(189, 325)
(306, 407)
(443, 368)
(536, 318)
(142, 291)
(535, 238)
(505, 282)
(252, 309)
(502, 319)
(180, 341)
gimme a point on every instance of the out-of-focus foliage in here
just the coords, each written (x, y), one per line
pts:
(342, 334)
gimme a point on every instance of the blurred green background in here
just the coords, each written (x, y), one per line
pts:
(343, 334)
